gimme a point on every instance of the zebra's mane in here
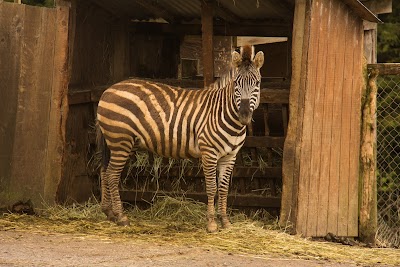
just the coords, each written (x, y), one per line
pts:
(223, 81)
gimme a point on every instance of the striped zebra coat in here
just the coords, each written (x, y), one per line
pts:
(181, 123)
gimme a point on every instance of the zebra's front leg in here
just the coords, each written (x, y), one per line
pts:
(210, 171)
(225, 168)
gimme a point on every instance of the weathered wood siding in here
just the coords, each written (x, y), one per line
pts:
(33, 91)
(322, 164)
(101, 46)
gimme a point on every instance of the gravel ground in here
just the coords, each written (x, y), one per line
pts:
(50, 249)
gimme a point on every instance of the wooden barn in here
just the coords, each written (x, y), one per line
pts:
(302, 154)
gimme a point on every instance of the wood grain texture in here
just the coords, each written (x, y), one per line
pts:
(334, 163)
(35, 89)
(290, 173)
(328, 142)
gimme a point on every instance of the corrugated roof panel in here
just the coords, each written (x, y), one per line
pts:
(255, 9)
(191, 9)
(182, 8)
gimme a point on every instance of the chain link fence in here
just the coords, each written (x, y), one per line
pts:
(388, 160)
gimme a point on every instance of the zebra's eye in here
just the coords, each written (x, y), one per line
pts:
(258, 83)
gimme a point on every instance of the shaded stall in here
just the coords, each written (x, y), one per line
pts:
(306, 130)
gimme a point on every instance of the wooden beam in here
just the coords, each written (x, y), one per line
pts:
(269, 29)
(133, 196)
(278, 96)
(264, 141)
(361, 10)
(93, 94)
(291, 151)
(379, 6)
(386, 68)
(207, 15)
(368, 185)
(157, 10)
(239, 171)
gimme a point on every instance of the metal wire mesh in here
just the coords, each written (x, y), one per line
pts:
(388, 160)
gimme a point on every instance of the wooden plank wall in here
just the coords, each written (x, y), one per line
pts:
(33, 73)
(100, 55)
(328, 125)
(101, 46)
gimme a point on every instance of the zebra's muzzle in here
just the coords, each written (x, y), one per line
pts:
(245, 113)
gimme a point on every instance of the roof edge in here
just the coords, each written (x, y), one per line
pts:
(362, 11)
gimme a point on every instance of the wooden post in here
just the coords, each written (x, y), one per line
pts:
(207, 10)
(290, 165)
(368, 187)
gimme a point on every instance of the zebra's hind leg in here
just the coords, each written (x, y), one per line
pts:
(209, 167)
(113, 174)
(225, 168)
(105, 197)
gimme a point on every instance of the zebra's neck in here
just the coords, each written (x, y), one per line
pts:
(224, 87)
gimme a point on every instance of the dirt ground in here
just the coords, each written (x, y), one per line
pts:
(52, 249)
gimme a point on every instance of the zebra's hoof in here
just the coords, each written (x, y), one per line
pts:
(123, 221)
(110, 215)
(212, 227)
(226, 224)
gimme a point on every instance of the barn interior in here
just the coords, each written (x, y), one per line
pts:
(187, 44)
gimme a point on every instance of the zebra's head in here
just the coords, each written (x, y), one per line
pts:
(247, 80)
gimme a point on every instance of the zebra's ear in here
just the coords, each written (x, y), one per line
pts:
(236, 59)
(259, 59)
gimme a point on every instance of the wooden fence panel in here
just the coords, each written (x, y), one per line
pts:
(35, 93)
(329, 130)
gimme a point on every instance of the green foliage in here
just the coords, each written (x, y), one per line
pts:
(388, 148)
(389, 36)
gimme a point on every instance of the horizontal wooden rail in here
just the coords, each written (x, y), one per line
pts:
(93, 94)
(264, 141)
(233, 200)
(238, 171)
(386, 68)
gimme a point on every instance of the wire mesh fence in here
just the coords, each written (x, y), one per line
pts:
(388, 159)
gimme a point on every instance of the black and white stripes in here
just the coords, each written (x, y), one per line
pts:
(172, 122)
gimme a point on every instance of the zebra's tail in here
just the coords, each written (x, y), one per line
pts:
(102, 151)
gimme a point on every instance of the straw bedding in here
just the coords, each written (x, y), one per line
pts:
(181, 221)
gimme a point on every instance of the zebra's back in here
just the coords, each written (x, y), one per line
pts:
(163, 119)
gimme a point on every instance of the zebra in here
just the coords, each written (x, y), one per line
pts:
(209, 124)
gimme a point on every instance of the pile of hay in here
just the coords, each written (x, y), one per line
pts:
(182, 222)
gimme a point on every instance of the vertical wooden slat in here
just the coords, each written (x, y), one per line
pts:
(207, 11)
(59, 105)
(355, 131)
(345, 131)
(325, 121)
(321, 12)
(11, 29)
(333, 166)
(306, 142)
(292, 147)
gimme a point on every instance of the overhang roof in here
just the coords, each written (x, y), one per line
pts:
(232, 11)
(362, 11)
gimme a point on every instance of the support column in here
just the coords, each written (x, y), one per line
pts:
(207, 11)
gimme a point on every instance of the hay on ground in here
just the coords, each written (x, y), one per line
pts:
(179, 221)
